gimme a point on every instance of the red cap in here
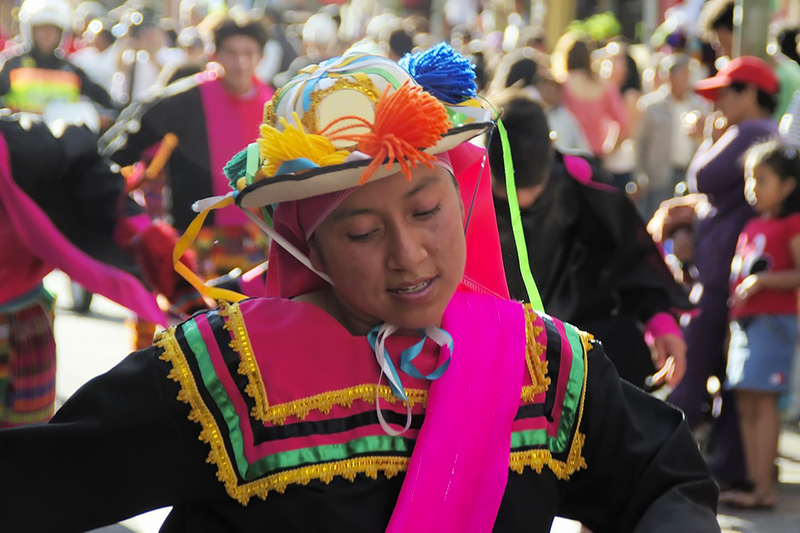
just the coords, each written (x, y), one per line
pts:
(746, 69)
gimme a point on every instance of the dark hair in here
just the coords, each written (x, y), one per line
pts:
(578, 56)
(787, 42)
(523, 70)
(632, 78)
(723, 20)
(766, 101)
(784, 161)
(229, 27)
(400, 42)
(529, 139)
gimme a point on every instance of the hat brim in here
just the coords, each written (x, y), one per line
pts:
(332, 178)
(709, 87)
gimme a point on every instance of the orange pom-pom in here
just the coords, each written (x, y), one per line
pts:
(406, 121)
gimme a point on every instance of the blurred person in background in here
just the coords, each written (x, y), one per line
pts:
(595, 103)
(519, 70)
(98, 57)
(783, 51)
(213, 115)
(745, 95)
(39, 75)
(279, 51)
(716, 23)
(63, 206)
(621, 70)
(589, 252)
(146, 50)
(320, 42)
(670, 131)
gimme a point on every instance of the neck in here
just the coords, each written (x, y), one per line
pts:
(238, 89)
(678, 95)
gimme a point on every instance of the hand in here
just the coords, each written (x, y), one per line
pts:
(683, 245)
(669, 358)
(716, 124)
(749, 286)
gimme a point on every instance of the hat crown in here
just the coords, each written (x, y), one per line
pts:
(346, 86)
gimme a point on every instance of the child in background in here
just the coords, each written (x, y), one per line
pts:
(765, 275)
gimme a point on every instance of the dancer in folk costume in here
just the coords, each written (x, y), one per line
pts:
(60, 208)
(212, 114)
(383, 385)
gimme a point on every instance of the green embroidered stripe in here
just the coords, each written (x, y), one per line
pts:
(215, 388)
(287, 459)
(530, 437)
(539, 437)
(572, 397)
(330, 452)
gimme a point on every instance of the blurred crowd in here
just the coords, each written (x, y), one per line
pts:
(628, 109)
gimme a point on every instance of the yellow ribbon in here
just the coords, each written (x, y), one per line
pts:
(186, 241)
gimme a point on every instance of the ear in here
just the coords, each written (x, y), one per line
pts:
(789, 184)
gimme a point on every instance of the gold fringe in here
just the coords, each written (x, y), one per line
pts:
(218, 455)
(182, 374)
(248, 366)
(277, 414)
(586, 340)
(533, 356)
(536, 459)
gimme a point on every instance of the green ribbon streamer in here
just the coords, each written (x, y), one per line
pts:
(516, 222)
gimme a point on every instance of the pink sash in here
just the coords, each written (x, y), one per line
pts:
(458, 470)
(43, 240)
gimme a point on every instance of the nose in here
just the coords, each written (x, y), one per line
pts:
(406, 248)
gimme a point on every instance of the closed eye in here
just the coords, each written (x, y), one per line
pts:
(360, 236)
(429, 213)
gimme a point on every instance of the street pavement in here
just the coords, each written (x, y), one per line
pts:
(89, 345)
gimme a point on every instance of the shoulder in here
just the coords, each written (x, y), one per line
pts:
(547, 428)
(653, 101)
(756, 129)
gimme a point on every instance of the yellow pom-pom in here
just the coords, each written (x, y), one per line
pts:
(276, 147)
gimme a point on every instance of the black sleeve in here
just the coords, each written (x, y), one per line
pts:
(98, 188)
(644, 471)
(120, 446)
(8, 64)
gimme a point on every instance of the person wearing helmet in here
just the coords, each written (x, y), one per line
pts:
(39, 75)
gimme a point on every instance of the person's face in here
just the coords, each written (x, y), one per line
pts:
(679, 81)
(550, 92)
(736, 106)
(765, 190)
(723, 42)
(395, 250)
(239, 56)
(46, 38)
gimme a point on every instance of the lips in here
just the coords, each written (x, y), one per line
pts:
(411, 289)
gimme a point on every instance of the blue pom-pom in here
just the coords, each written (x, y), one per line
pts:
(443, 72)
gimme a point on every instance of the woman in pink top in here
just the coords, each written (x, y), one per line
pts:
(597, 105)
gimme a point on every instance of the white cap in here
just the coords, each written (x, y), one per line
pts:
(34, 13)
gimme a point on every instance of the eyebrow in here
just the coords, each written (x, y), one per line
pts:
(428, 180)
